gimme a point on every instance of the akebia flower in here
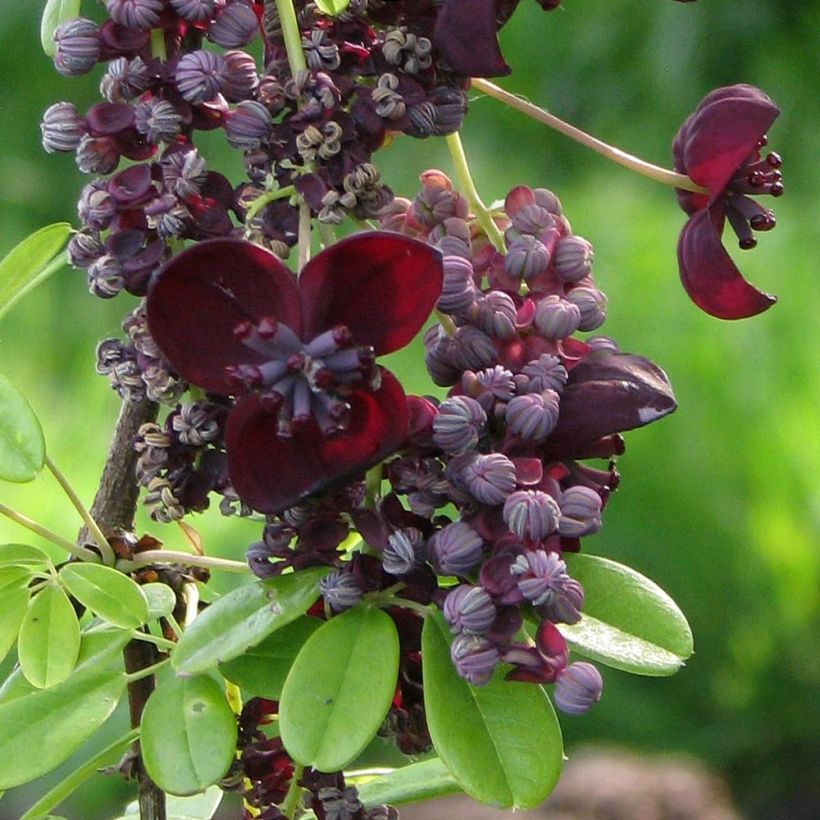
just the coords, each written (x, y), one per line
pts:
(719, 148)
(313, 409)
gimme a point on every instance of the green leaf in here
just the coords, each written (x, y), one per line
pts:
(23, 555)
(106, 592)
(501, 742)
(49, 640)
(32, 261)
(188, 737)
(161, 600)
(13, 577)
(332, 8)
(262, 670)
(628, 621)
(55, 12)
(197, 807)
(13, 610)
(339, 688)
(243, 618)
(419, 781)
(22, 446)
(40, 730)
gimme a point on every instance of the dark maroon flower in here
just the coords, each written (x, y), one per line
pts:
(313, 409)
(718, 147)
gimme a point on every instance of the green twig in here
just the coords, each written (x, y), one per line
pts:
(466, 184)
(91, 525)
(635, 164)
(160, 643)
(24, 521)
(142, 559)
(265, 199)
(304, 236)
(158, 44)
(292, 36)
(291, 801)
(147, 671)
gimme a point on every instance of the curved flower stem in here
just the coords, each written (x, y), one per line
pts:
(291, 36)
(91, 525)
(160, 643)
(294, 795)
(639, 166)
(465, 182)
(265, 199)
(146, 671)
(141, 559)
(24, 521)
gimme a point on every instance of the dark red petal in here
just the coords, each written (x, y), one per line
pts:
(272, 473)
(607, 393)
(709, 275)
(105, 119)
(382, 286)
(723, 131)
(203, 293)
(466, 36)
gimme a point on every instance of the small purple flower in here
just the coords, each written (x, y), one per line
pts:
(459, 291)
(580, 512)
(139, 14)
(475, 658)
(157, 120)
(531, 515)
(195, 11)
(78, 47)
(469, 609)
(527, 257)
(201, 76)
(541, 575)
(235, 26)
(403, 551)
(544, 373)
(248, 126)
(534, 415)
(489, 478)
(573, 258)
(556, 318)
(62, 128)
(459, 423)
(577, 687)
(340, 590)
(456, 549)
(592, 305)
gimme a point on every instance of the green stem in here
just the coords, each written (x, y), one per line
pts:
(265, 199)
(635, 164)
(291, 801)
(446, 323)
(160, 643)
(327, 234)
(91, 525)
(191, 592)
(372, 486)
(80, 552)
(292, 36)
(406, 603)
(304, 236)
(52, 798)
(142, 559)
(466, 184)
(158, 44)
(147, 671)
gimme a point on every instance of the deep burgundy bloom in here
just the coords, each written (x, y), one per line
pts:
(718, 147)
(313, 408)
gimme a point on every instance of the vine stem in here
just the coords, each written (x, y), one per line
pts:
(100, 539)
(291, 36)
(639, 166)
(294, 794)
(465, 182)
(24, 521)
(142, 559)
(265, 199)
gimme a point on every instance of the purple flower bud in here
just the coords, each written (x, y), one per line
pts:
(557, 318)
(565, 605)
(241, 77)
(495, 314)
(95, 207)
(167, 216)
(235, 26)
(456, 549)
(547, 200)
(97, 155)
(489, 478)
(474, 658)
(105, 277)
(602, 343)
(458, 291)
(340, 590)
(580, 512)
(403, 550)
(469, 609)
(577, 687)
(62, 128)
(488, 386)
(258, 556)
(573, 258)
(248, 125)
(471, 349)
(78, 47)
(544, 373)
(157, 120)
(592, 305)
(124, 79)
(436, 357)
(531, 514)
(534, 415)
(200, 76)
(540, 575)
(459, 424)
(527, 257)
(195, 11)
(139, 14)
(83, 248)
(184, 173)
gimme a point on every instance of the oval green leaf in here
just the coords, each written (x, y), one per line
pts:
(188, 735)
(54, 723)
(418, 781)
(339, 689)
(332, 8)
(49, 640)
(628, 622)
(107, 593)
(161, 600)
(31, 262)
(23, 555)
(14, 576)
(243, 618)
(262, 670)
(55, 12)
(501, 742)
(22, 446)
(13, 610)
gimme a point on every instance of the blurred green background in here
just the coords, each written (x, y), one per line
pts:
(718, 503)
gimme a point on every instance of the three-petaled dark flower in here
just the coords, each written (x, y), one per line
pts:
(313, 409)
(718, 147)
